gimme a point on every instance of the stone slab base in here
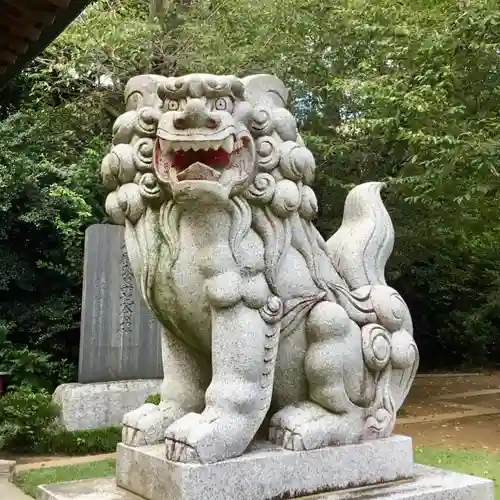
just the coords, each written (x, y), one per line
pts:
(264, 472)
(102, 404)
(89, 489)
(427, 484)
(7, 469)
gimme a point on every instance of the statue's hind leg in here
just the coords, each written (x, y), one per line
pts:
(340, 388)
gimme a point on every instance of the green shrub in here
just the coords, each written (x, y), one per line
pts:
(28, 424)
(86, 442)
(154, 399)
(25, 418)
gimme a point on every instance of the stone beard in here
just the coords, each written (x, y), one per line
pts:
(262, 317)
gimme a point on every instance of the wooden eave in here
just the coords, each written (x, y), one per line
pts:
(28, 26)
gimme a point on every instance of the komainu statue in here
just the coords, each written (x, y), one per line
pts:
(267, 327)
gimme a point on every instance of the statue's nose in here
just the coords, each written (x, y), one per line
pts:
(196, 115)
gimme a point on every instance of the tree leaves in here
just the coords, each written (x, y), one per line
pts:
(405, 92)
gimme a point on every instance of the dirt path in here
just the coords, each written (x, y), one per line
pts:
(454, 412)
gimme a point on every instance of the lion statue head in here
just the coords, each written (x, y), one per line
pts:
(203, 137)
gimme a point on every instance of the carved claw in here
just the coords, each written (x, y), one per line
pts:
(208, 437)
(195, 438)
(308, 426)
(286, 438)
(177, 439)
(143, 426)
(181, 452)
(146, 425)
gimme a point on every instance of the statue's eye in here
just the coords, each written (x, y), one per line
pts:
(172, 105)
(224, 104)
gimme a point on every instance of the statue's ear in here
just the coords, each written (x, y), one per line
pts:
(268, 90)
(142, 90)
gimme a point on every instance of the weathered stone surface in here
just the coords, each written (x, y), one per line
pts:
(120, 338)
(7, 468)
(103, 404)
(263, 317)
(428, 484)
(90, 489)
(266, 471)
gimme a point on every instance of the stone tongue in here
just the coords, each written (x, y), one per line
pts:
(199, 171)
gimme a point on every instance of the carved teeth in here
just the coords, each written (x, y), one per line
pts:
(228, 144)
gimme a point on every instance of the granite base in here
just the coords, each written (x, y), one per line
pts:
(427, 484)
(101, 404)
(7, 468)
(264, 472)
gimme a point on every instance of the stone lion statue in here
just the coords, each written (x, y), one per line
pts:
(267, 326)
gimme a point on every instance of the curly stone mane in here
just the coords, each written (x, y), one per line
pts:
(279, 204)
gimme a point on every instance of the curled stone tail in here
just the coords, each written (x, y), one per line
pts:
(363, 244)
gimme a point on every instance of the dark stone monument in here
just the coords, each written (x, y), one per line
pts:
(120, 338)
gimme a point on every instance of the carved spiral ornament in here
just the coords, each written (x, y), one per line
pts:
(117, 167)
(125, 203)
(262, 122)
(390, 307)
(297, 163)
(143, 154)
(272, 312)
(268, 153)
(262, 189)
(150, 189)
(376, 347)
(124, 128)
(404, 351)
(286, 198)
(309, 204)
(284, 124)
(147, 121)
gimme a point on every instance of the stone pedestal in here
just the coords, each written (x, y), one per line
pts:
(265, 472)
(103, 404)
(378, 470)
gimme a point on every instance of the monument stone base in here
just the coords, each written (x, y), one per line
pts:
(101, 404)
(377, 470)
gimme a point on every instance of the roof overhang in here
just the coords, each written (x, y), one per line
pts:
(28, 26)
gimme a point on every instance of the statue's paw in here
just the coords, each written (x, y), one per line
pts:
(208, 437)
(143, 426)
(146, 425)
(307, 426)
(191, 439)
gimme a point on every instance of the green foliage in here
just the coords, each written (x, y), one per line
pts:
(153, 399)
(49, 193)
(28, 481)
(28, 424)
(25, 418)
(475, 463)
(29, 368)
(86, 442)
(405, 92)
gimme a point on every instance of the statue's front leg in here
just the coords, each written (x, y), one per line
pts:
(244, 349)
(186, 377)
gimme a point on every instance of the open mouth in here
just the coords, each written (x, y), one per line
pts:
(182, 160)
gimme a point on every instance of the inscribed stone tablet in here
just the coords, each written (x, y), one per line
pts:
(120, 338)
